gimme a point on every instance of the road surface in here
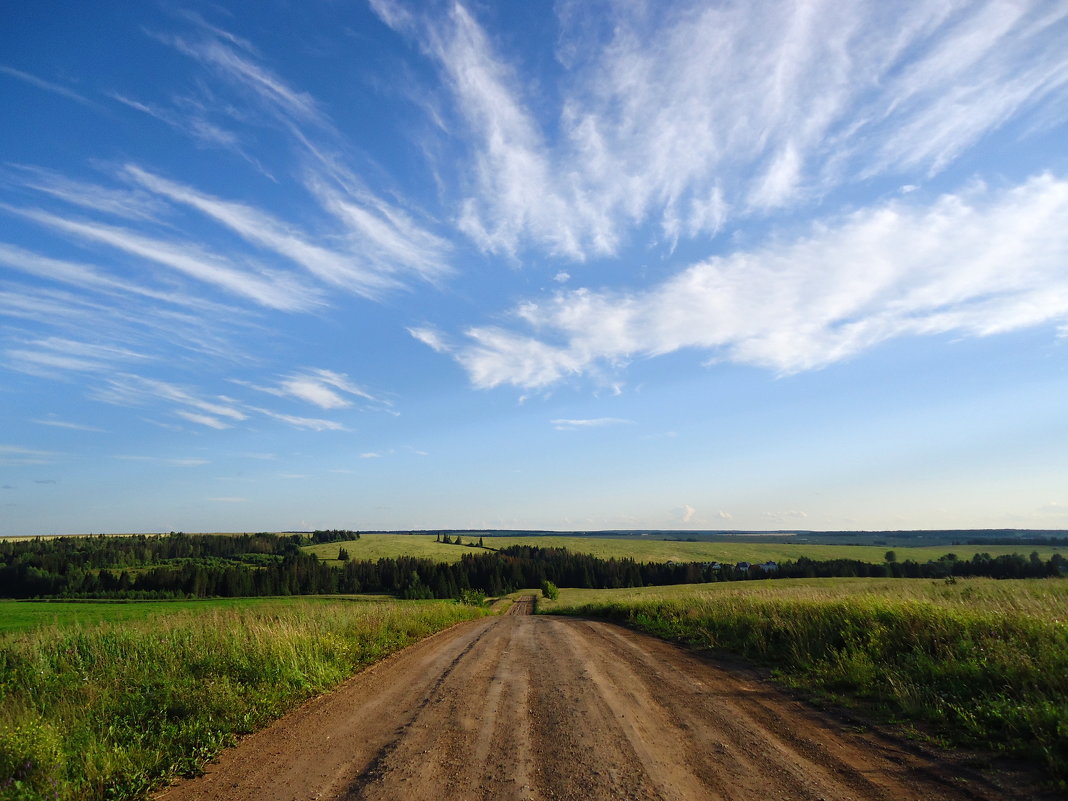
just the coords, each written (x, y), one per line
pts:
(522, 707)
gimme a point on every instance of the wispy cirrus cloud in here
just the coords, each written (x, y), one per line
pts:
(323, 388)
(296, 421)
(976, 263)
(57, 423)
(130, 204)
(133, 390)
(14, 455)
(596, 422)
(688, 115)
(56, 355)
(173, 461)
(272, 289)
(47, 86)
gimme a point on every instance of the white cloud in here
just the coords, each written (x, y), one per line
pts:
(431, 338)
(133, 390)
(976, 263)
(13, 455)
(176, 462)
(56, 423)
(203, 419)
(191, 121)
(310, 423)
(724, 515)
(562, 277)
(56, 354)
(48, 86)
(597, 422)
(269, 288)
(322, 388)
(131, 205)
(681, 114)
(260, 228)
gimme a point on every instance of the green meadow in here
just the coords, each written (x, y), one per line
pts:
(377, 546)
(391, 546)
(109, 710)
(980, 661)
(22, 615)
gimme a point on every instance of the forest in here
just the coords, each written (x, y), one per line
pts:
(181, 565)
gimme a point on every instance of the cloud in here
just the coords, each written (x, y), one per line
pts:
(14, 455)
(272, 289)
(48, 86)
(688, 114)
(688, 513)
(261, 229)
(133, 390)
(376, 241)
(975, 263)
(310, 423)
(45, 481)
(322, 388)
(46, 356)
(790, 515)
(125, 203)
(431, 338)
(192, 121)
(66, 424)
(598, 422)
(176, 462)
(203, 419)
(370, 455)
(724, 515)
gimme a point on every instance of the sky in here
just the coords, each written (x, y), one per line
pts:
(577, 265)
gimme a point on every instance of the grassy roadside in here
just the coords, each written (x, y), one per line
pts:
(111, 710)
(983, 675)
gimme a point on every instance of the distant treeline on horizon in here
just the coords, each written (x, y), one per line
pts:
(204, 565)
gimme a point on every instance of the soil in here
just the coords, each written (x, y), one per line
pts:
(522, 707)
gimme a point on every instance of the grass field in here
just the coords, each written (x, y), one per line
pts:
(107, 711)
(984, 661)
(377, 546)
(23, 615)
(1044, 599)
(382, 546)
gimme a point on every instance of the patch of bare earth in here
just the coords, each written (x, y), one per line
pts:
(521, 707)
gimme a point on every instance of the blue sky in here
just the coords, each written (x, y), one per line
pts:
(750, 265)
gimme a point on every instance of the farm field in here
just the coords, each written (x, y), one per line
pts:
(391, 546)
(377, 546)
(23, 615)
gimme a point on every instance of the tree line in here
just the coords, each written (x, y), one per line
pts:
(188, 565)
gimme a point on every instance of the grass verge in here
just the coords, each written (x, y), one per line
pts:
(993, 679)
(111, 711)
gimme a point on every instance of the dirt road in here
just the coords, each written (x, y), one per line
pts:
(521, 707)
